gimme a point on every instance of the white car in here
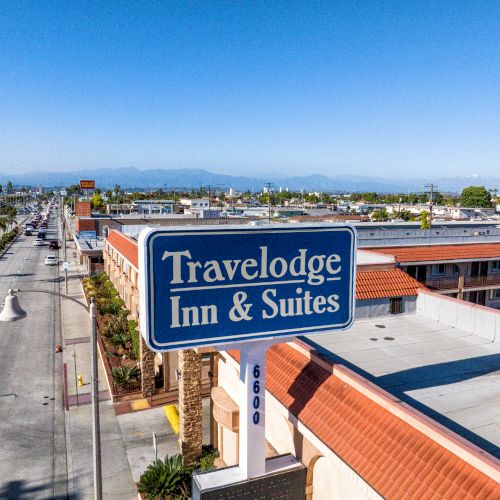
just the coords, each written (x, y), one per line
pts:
(38, 242)
(50, 260)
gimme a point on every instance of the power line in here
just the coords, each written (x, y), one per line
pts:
(269, 187)
(431, 188)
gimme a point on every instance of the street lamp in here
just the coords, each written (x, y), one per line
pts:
(12, 311)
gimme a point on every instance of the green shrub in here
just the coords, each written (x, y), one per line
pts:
(110, 306)
(164, 479)
(208, 456)
(120, 339)
(113, 325)
(135, 338)
(125, 374)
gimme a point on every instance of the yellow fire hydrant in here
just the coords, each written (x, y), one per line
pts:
(80, 380)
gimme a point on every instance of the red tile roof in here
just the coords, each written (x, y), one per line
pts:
(426, 253)
(390, 454)
(388, 283)
(125, 245)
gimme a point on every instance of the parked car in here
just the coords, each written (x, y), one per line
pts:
(38, 242)
(54, 245)
(50, 260)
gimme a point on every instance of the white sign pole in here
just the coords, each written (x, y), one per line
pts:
(155, 447)
(252, 438)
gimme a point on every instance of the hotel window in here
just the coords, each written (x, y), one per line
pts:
(495, 266)
(495, 294)
(438, 270)
(455, 270)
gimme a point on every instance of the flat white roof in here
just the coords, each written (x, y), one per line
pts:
(449, 374)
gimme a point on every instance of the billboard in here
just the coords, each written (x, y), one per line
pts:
(213, 285)
(87, 184)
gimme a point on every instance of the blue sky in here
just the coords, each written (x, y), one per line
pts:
(389, 89)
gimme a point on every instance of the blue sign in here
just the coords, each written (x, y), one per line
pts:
(212, 285)
(87, 235)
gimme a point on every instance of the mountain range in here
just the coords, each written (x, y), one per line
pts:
(131, 177)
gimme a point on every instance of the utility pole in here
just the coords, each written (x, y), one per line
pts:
(269, 186)
(431, 188)
(96, 428)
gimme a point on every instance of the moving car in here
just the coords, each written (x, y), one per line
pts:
(38, 242)
(50, 260)
(54, 245)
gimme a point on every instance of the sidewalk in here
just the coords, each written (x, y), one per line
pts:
(117, 477)
(126, 439)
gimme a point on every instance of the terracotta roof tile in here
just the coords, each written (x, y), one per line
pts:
(428, 253)
(125, 245)
(396, 459)
(389, 283)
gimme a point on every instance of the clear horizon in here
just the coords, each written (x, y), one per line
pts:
(389, 89)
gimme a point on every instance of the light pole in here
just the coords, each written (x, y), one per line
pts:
(12, 311)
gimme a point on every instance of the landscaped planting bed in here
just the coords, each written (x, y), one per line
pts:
(118, 334)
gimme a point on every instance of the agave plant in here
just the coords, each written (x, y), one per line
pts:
(125, 374)
(121, 339)
(165, 479)
(107, 306)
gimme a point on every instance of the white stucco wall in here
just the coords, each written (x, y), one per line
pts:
(481, 321)
(381, 307)
(332, 480)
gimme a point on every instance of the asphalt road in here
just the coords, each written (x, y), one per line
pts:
(32, 431)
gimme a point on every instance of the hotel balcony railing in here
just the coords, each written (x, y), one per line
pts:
(469, 282)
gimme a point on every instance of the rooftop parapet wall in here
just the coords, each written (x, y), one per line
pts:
(479, 320)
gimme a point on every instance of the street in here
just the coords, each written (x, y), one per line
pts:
(32, 430)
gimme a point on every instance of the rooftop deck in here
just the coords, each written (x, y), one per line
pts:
(449, 374)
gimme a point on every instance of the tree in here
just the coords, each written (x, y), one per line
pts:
(97, 201)
(475, 197)
(10, 187)
(380, 214)
(405, 215)
(424, 220)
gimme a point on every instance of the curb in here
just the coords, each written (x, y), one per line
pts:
(4, 251)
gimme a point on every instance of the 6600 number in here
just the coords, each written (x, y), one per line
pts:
(256, 397)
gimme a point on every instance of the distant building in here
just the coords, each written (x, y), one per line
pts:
(83, 208)
(285, 212)
(195, 205)
(120, 208)
(154, 207)
(466, 271)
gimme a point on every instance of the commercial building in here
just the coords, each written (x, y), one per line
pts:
(133, 223)
(404, 404)
(89, 252)
(154, 207)
(381, 289)
(467, 271)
